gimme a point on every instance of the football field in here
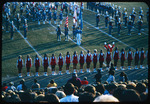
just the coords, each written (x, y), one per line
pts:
(42, 39)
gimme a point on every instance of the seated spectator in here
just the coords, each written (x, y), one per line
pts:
(100, 88)
(84, 81)
(90, 89)
(60, 94)
(111, 77)
(118, 92)
(69, 91)
(52, 90)
(52, 84)
(140, 88)
(121, 77)
(35, 84)
(110, 88)
(26, 96)
(131, 85)
(130, 95)
(51, 98)
(86, 97)
(75, 80)
(22, 85)
(11, 87)
(106, 98)
(98, 76)
(4, 87)
(40, 98)
(144, 96)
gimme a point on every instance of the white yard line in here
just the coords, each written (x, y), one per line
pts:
(134, 28)
(108, 34)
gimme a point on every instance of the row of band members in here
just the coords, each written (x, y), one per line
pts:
(81, 59)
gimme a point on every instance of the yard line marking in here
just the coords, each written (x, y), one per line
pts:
(73, 41)
(134, 28)
(108, 34)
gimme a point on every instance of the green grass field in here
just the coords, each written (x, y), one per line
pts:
(43, 39)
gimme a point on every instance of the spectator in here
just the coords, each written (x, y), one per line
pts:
(26, 96)
(100, 88)
(4, 87)
(11, 87)
(140, 88)
(106, 98)
(52, 84)
(40, 98)
(121, 77)
(75, 80)
(130, 95)
(110, 88)
(52, 90)
(98, 76)
(60, 94)
(84, 81)
(90, 89)
(69, 91)
(111, 68)
(35, 84)
(144, 96)
(22, 85)
(86, 97)
(131, 85)
(51, 98)
(111, 77)
(118, 92)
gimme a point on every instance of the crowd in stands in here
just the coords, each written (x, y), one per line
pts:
(77, 90)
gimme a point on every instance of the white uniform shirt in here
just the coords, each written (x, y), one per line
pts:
(70, 98)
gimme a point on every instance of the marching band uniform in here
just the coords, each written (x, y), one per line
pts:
(81, 61)
(129, 58)
(19, 65)
(45, 63)
(78, 35)
(119, 26)
(142, 57)
(97, 19)
(74, 32)
(21, 8)
(67, 61)
(136, 58)
(110, 47)
(119, 11)
(88, 60)
(28, 63)
(37, 64)
(44, 16)
(140, 22)
(75, 61)
(101, 59)
(129, 25)
(12, 29)
(7, 22)
(122, 58)
(133, 16)
(116, 18)
(55, 16)
(60, 63)
(125, 19)
(25, 27)
(66, 33)
(49, 15)
(106, 19)
(123, 13)
(110, 25)
(116, 57)
(18, 21)
(108, 58)
(94, 59)
(58, 30)
(53, 63)
(61, 16)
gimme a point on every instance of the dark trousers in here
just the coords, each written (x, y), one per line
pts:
(60, 67)
(19, 70)
(53, 67)
(107, 62)
(141, 62)
(115, 62)
(122, 62)
(94, 64)
(37, 69)
(129, 62)
(28, 69)
(67, 66)
(101, 64)
(81, 65)
(136, 62)
(74, 65)
(88, 64)
(45, 68)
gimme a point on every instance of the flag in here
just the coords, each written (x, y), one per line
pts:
(75, 17)
(66, 21)
(80, 19)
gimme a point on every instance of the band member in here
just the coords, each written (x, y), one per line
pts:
(122, 58)
(58, 30)
(116, 57)
(28, 63)
(125, 19)
(12, 29)
(81, 61)
(55, 16)
(129, 25)
(97, 18)
(136, 58)
(25, 27)
(37, 64)
(110, 25)
(142, 57)
(108, 58)
(129, 58)
(45, 64)
(67, 61)
(53, 63)
(119, 26)
(88, 61)
(101, 60)
(7, 22)
(140, 22)
(60, 63)
(75, 61)
(61, 16)
(49, 15)
(19, 65)
(66, 33)
(18, 21)
(106, 19)
(94, 59)
(110, 47)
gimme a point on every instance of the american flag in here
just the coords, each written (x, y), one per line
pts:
(66, 21)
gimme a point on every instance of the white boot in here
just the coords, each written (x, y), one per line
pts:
(53, 73)
(54, 22)
(60, 22)
(60, 73)
(81, 71)
(87, 70)
(74, 71)
(95, 70)
(101, 69)
(107, 69)
(129, 68)
(37, 74)
(115, 67)
(67, 71)
(49, 22)
(43, 22)
(28, 74)
(140, 66)
(19, 75)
